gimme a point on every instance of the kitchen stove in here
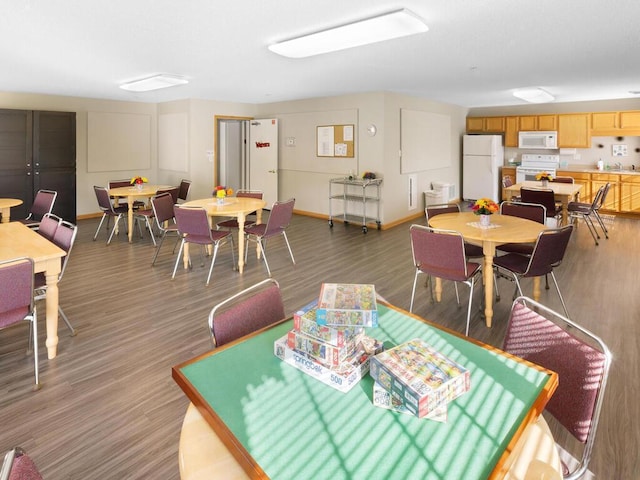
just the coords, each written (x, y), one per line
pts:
(533, 164)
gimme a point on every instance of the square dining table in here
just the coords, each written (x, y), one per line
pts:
(280, 423)
(18, 240)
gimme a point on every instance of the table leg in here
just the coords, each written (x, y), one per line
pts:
(489, 250)
(51, 304)
(5, 214)
(536, 288)
(241, 220)
(438, 289)
(130, 217)
(565, 209)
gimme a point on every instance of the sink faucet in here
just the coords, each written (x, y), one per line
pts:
(618, 165)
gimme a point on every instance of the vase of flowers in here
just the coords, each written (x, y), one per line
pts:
(138, 182)
(220, 192)
(544, 178)
(485, 207)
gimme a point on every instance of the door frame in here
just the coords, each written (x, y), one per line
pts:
(216, 136)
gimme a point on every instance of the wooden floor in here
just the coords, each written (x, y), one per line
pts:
(108, 408)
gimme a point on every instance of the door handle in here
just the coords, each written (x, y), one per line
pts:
(272, 171)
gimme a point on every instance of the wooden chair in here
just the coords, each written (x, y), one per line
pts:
(582, 361)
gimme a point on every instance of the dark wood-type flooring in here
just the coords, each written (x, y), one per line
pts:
(108, 408)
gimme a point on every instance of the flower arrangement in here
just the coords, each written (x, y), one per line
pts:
(138, 180)
(221, 192)
(484, 206)
(544, 176)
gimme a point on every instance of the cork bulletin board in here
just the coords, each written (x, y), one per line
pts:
(335, 141)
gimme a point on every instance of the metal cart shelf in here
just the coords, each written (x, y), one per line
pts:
(354, 191)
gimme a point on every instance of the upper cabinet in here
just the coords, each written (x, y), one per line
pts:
(485, 124)
(574, 130)
(615, 123)
(511, 131)
(538, 122)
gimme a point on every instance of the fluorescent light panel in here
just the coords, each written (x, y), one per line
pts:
(396, 24)
(533, 95)
(155, 82)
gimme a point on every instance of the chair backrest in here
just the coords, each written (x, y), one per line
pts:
(438, 209)
(16, 290)
(439, 253)
(193, 223)
(548, 251)
(104, 202)
(562, 179)
(17, 465)
(183, 189)
(581, 360)
(48, 225)
(173, 191)
(245, 312)
(603, 197)
(543, 197)
(65, 238)
(119, 183)
(250, 194)
(280, 217)
(162, 205)
(531, 211)
(43, 203)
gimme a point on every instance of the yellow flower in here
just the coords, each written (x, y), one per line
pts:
(544, 176)
(484, 206)
(221, 191)
(138, 180)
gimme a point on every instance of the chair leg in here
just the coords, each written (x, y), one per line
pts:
(155, 255)
(469, 306)
(113, 230)
(602, 225)
(455, 285)
(284, 234)
(264, 257)
(153, 237)
(100, 226)
(34, 320)
(553, 277)
(175, 267)
(66, 320)
(213, 260)
(413, 290)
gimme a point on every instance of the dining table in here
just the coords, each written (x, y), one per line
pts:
(133, 193)
(5, 207)
(238, 207)
(562, 192)
(501, 229)
(266, 419)
(18, 240)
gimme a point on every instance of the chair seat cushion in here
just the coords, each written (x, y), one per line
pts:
(233, 223)
(473, 250)
(13, 316)
(513, 262)
(579, 207)
(521, 248)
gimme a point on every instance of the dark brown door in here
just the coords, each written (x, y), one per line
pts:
(38, 151)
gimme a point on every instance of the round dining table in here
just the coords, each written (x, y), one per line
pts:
(238, 207)
(5, 207)
(502, 229)
(132, 193)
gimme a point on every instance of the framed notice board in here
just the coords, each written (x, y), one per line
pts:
(334, 141)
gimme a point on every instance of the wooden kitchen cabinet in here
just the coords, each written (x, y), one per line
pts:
(605, 120)
(507, 171)
(630, 193)
(511, 131)
(538, 122)
(612, 202)
(580, 178)
(485, 124)
(475, 124)
(574, 130)
(630, 119)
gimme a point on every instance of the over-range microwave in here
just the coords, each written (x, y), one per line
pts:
(546, 140)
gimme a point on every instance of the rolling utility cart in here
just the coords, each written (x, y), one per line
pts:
(351, 192)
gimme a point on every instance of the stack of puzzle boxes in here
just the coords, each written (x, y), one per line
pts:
(328, 340)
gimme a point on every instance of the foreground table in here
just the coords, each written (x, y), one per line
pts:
(238, 207)
(18, 240)
(131, 194)
(5, 207)
(563, 192)
(504, 229)
(278, 422)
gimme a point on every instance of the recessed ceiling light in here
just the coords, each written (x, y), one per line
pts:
(154, 83)
(634, 92)
(533, 95)
(396, 24)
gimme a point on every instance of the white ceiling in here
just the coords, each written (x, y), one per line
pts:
(475, 53)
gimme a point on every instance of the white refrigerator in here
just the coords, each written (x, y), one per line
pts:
(482, 157)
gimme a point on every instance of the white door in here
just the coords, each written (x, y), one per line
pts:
(263, 158)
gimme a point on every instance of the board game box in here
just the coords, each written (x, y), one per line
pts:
(423, 378)
(304, 321)
(323, 352)
(347, 304)
(385, 399)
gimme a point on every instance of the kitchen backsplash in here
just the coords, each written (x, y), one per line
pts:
(610, 150)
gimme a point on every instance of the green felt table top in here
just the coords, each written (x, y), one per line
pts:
(294, 426)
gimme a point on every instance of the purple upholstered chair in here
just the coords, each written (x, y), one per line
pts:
(587, 210)
(162, 205)
(440, 254)
(42, 203)
(16, 300)
(278, 221)
(49, 225)
(246, 312)
(547, 254)
(193, 225)
(108, 210)
(64, 237)
(581, 360)
(530, 211)
(232, 223)
(17, 465)
(183, 189)
(543, 197)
